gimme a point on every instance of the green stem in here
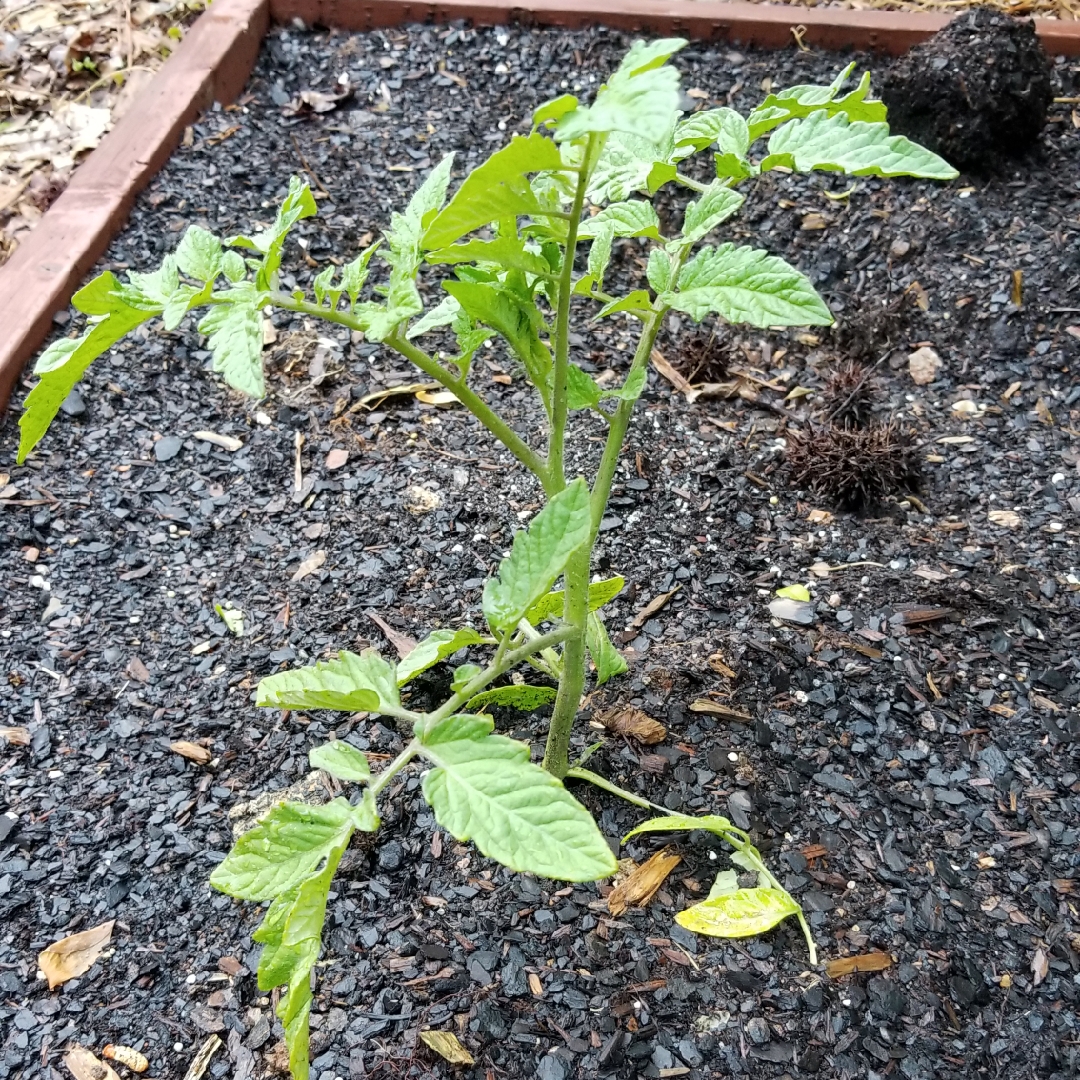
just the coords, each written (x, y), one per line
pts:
(578, 773)
(693, 185)
(557, 436)
(394, 767)
(476, 405)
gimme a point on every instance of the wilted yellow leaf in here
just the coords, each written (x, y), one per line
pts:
(446, 1045)
(739, 914)
(641, 884)
(73, 956)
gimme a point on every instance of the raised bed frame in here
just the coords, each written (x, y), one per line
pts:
(217, 55)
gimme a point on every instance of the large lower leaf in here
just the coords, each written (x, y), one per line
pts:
(437, 646)
(836, 144)
(739, 914)
(538, 556)
(496, 190)
(745, 285)
(351, 683)
(514, 811)
(286, 847)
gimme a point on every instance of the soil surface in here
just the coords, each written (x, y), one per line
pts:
(907, 759)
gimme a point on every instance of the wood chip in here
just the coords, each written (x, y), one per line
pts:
(535, 985)
(717, 663)
(201, 1061)
(402, 642)
(226, 442)
(714, 708)
(135, 1061)
(917, 615)
(652, 607)
(848, 965)
(83, 1065)
(137, 670)
(640, 885)
(74, 955)
(1040, 966)
(633, 723)
(16, 736)
(192, 751)
(447, 1046)
(336, 458)
(1007, 519)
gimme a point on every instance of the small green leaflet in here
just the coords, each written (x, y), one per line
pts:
(550, 606)
(711, 822)
(525, 697)
(538, 556)
(795, 592)
(600, 253)
(632, 389)
(199, 254)
(283, 849)
(152, 291)
(658, 270)
(63, 364)
(724, 127)
(625, 166)
(745, 285)
(727, 881)
(235, 333)
(496, 190)
(554, 110)
(509, 252)
(638, 303)
(354, 274)
(463, 675)
(299, 203)
(581, 389)
(233, 266)
(407, 229)
(443, 314)
(607, 659)
(713, 207)
(232, 617)
(487, 791)
(739, 914)
(454, 729)
(341, 760)
(633, 218)
(836, 144)
(437, 646)
(351, 683)
(513, 318)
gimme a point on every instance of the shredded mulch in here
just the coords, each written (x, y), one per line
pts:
(905, 755)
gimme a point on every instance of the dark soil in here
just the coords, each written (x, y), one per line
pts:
(977, 92)
(910, 766)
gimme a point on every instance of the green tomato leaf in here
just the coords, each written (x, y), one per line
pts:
(299, 203)
(63, 364)
(454, 729)
(199, 254)
(633, 218)
(632, 389)
(550, 606)
(538, 556)
(711, 822)
(341, 760)
(283, 849)
(554, 110)
(581, 389)
(507, 252)
(496, 190)
(715, 206)
(658, 270)
(152, 290)
(351, 683)
(354, 274)
(180, 303)
(836, 144)
(323, 280)
(233, 266)
(463, 675)
(661, 173)
(638, 303)
(443, 314)
(724, 127)
(514, 811)
(795, 592)
(600, 253)
(513, 318)
(745, 285)
(739, 914)
(235, 333)
(731, 166)
(437, 646)
(524, 696)
(607, 659)
(727, 881)
(625, 166)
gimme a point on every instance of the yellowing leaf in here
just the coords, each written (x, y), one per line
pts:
(446, 1045)
(795, 592)
(73, 956)
(641, 884)
(739, 914)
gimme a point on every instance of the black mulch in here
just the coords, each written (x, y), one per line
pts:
(914, 782)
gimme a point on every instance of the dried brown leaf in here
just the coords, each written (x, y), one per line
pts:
(336, 458)
(447, 1046)
(1040, 966)
(714, 708)
(641, 884)
(848, 965)
(137, 670)
(402, 642)
(192, 751)
(670, 373)
(309, 565)
(74, 955)
(652, 607)
(633, 723)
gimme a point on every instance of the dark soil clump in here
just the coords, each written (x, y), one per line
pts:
(976, 92)
(852, 467)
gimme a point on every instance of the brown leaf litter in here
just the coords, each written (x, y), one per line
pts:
(74, 955)
(633, 723)
(640, 885)
(68, 70)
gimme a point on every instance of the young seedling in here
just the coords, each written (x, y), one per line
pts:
(510, 233)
